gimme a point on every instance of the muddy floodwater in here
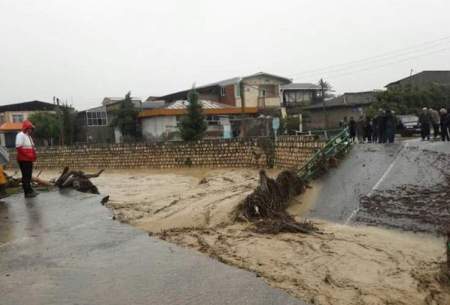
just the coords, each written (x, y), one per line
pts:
(340, 264)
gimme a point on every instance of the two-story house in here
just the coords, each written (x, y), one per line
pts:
(260, 90)
(226, 104)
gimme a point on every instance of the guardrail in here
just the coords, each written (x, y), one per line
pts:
(320, 161)
(321, 133)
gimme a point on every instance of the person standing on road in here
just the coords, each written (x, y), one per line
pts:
(445, 123)
(26, 155)
(425, 121)
(382, 126)
(435, 122)
(368, 130)
(360, 129)
(352, 129)
(377, 125)
(390, 124)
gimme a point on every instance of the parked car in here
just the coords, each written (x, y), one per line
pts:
(408, 125)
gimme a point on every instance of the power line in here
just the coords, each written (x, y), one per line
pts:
(387, 64)
(381, 57)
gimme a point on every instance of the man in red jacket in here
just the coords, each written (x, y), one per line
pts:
(26, 155)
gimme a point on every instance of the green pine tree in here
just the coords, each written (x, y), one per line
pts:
(193, 125)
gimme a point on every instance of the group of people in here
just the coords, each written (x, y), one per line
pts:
(380, 129)
(439, 121)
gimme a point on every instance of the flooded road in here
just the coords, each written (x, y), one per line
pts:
(63, 248)
(371, 168)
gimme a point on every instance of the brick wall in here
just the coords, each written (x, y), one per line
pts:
(290, 151)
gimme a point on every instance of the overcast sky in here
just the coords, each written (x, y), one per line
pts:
(83, 50)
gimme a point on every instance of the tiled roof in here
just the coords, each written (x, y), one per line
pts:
(11, 126)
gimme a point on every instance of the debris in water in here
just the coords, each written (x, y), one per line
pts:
(105, 200)
(78, 180)
(266, 206)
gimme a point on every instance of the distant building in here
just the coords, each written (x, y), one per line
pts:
(160, 120)
(339, 109)
(113, 102)
(94, 123)
(12, 116)
(260, 90)
(423, 78)
(296, 96)
(94, 126)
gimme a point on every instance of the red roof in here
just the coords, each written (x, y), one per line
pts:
(11, 127)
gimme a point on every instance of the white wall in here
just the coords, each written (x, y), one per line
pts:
(251, 91)
(155, 127)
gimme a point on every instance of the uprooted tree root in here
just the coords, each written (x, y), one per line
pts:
(266, 206)
(77, 180)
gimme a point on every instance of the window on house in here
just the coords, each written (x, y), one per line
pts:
(17, 118)
(213, 119)
(262, 92)
(237, 90)
(222, 91)
(97, 118)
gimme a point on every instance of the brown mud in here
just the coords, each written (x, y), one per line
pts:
(417, 208)
(337, 264)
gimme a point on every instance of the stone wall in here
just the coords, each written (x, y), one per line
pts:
(289, 151)
(295, 151)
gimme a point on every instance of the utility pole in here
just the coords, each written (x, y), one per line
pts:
(60, 120)
(325, 114)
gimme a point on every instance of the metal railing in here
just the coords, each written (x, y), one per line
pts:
(338, 145)
(321, 133)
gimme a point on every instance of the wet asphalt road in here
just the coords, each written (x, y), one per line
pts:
(65, 249)
(370, 167)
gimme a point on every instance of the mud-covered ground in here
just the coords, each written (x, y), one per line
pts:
(337, 265)
(341, 265)
(411, 207)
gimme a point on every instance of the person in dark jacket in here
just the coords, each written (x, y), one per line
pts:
(352, 128)
(390, 126)
(375, 129)
(377, 122)
(445, 124)
(360, 129)
(382, 126)
(425, 122)
(368, 130)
